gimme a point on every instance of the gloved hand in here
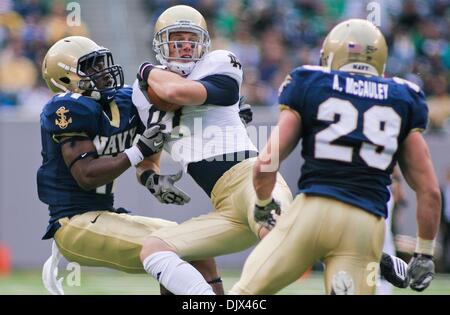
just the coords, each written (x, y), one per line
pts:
(151, 141)
(420, 271)
(163, 187)
(394, 270)
(266, 215)
(245, 111)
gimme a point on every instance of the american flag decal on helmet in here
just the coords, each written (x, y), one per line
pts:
(354, 48)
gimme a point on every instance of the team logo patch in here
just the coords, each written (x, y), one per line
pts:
(235, 62)
(62, 122)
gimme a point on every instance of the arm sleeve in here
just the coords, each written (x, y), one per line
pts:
(221, 90)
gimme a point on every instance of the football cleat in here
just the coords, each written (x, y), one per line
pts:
(394, 270)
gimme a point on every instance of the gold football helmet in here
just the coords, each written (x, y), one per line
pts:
(180, 18)
(355, 45)
(77, 64)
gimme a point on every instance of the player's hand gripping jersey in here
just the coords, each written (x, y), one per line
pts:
(72, 115)
(201, 132)
(353, 126)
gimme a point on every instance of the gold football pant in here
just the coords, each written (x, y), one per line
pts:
(345, 237)
(230, 228)
(106, 239)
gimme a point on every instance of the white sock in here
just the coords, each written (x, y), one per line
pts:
(176, 275)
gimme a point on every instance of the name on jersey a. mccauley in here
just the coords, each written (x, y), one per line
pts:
(362, 88)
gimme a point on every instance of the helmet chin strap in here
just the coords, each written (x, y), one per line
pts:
(104, 97)
(95, 94)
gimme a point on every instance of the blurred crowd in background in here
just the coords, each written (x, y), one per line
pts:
(269, 36)
(28, 28)
(272, 36)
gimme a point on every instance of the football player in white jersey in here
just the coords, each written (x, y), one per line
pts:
(210, 141)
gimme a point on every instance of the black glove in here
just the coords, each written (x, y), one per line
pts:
(265, 215)
(163, 188)
(245, 111)
(143, 73)
(151, 140)
(394, 270)
(420, 271)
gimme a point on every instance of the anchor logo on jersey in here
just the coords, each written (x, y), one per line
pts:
(62, 122)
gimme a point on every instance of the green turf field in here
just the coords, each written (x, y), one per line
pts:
(96, 281)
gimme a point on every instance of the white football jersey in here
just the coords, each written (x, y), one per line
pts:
(204, 131)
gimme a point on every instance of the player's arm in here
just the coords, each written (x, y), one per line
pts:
(90, 171)
(173, 88)
(281, 143)
(417, 167)
(219, 89)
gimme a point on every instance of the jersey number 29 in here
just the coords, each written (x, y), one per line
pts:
(381, 125)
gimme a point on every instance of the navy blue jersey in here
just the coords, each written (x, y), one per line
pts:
(352, 128)
(71, 114)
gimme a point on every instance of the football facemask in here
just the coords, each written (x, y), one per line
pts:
(100, 78)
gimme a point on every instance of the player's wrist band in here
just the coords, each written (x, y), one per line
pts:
(134, 155)
(145, 71)
(216, 280)
(425, 246)
(264, 202)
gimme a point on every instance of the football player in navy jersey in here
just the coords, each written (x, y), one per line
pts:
(88, 129)
(354, 125)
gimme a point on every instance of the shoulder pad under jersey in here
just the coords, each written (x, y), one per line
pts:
(218, 62)
(71, 114)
